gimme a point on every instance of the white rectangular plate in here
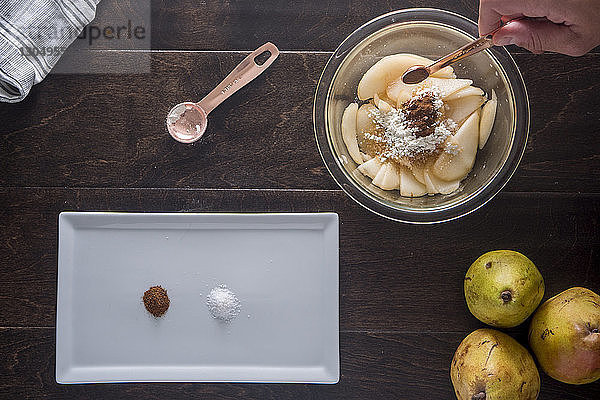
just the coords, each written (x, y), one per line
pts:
(282, 267)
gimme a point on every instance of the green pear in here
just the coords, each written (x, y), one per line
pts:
(503, 288)
(490, 365)
(565, 336)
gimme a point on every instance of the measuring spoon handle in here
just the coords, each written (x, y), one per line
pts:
(474, 47)
(241, 75)
(484, 42)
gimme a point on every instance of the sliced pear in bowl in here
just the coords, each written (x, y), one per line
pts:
(435, 185)
(418, 172)
(446, 87)
(385, 98)
(370, 168)
(488, 116)
(382, 86)
(465, 92)
(390, 68)
(452, 167)
(409, 186)
(380, 103)
(399, 91)
(364, 121)
(349, 132)
(458, 110)
(388, 177)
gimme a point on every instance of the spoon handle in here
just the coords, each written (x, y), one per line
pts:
(467, 50)
(241, 75)
(484, 42)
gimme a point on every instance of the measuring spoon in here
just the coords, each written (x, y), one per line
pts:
(419, 73)
(186, 122)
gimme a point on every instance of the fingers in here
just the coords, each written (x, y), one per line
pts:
(506, 18)
(489, 19)
(540, 35)
(493, 12)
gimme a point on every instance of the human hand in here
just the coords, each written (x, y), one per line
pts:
(569, 27)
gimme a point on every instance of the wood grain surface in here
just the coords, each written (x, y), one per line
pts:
(109, 130)
(97, 142)
(294, 25)
(413, 270)
(375, 365)
(300, 25)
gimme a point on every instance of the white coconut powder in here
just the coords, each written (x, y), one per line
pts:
(223, 303)
(399, 135)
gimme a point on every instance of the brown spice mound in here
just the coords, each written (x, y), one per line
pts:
(156, 301)
(422, 114)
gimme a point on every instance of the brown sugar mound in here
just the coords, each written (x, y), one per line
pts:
(422, 114)
(156, 301)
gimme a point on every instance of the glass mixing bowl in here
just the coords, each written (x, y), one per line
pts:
(430, 33)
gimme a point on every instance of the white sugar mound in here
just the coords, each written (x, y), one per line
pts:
(223, 303)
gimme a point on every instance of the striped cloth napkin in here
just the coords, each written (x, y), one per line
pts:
(33, 36)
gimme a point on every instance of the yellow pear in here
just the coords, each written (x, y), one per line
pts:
(490, 365)
(503, 288)
(565, 336)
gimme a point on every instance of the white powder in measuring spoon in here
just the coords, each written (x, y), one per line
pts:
(223, 303)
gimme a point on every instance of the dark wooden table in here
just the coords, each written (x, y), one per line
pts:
(97, 142)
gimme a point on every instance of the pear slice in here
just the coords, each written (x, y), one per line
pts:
(431, 189)
(399, 91)
(445, 86)
(409, 186)
(451, 167)
(392, 178)
(446, 187)
(385, 98)
(418, 173)
(370, 168)
(383, 105)
(349, 132)
(388, 177)
(388, 69)
(468, 134)
(364, 121)
(465, 92)
(445, 73)
(384, 71)
(486, 123)
(435, 185)
(458, 110)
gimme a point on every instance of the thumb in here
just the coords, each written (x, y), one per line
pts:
(537, 36)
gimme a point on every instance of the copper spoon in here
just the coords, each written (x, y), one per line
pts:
(419, 73)
(186, 122)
